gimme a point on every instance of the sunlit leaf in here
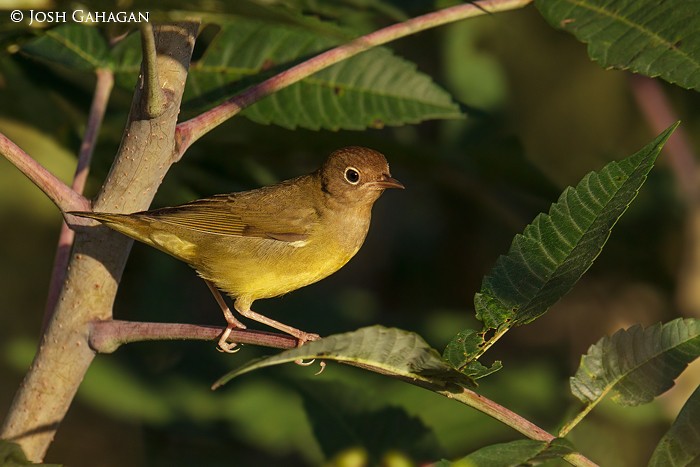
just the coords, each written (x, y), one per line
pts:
(680, 446)
(646, 36)
(637, 364)
(389, 351)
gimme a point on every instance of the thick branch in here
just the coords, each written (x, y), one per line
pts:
(103, 89)
(191, 130)
(145, 155)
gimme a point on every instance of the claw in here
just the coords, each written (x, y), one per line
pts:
(228, 348)
(322, 366)
(301, 362)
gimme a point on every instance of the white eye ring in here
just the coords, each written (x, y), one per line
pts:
(352, 175)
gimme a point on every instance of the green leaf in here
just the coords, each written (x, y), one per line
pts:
(460, 352)
(637, 364)
(11, 455)
(516, 453)
(556, 249)
(462, 346)
(126, 60)
(372, 89)
(645, 36)
(389, 351)
(71, 45)
(680, 446)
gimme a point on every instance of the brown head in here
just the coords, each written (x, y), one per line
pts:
(356, 175)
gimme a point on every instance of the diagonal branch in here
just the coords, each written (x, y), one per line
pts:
(191, 130)
(61, 194)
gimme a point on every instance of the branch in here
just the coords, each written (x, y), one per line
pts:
(512, 419)
(61, 194)
(97, 261)
(106, 336)
(103, 89)
(154, 100)
(191, 130)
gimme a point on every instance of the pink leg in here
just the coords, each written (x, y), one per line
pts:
(233, 323)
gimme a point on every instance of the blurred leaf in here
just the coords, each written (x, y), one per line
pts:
(514, 453)
(11, 455)
(556, 249)
(71, 45)
(680, 446)
(373, 89)
(126, 60)
(645, 36)
(637, 364)
(389, 351)
(343, 419)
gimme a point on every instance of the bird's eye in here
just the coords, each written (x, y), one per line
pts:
(352, 175)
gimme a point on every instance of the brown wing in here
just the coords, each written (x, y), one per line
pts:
(270, 214)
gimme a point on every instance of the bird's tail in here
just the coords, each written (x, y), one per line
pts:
(128, 224)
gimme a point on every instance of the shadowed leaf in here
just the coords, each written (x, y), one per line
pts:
(515, 453)
(680, 446)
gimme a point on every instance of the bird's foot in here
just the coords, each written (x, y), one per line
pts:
(223, 344)
(303, 338)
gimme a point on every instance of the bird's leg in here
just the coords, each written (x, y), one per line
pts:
(233, 323)
(301, 336)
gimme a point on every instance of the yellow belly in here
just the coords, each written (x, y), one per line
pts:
(260, 268)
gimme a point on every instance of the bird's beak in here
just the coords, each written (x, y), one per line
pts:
(386, 181)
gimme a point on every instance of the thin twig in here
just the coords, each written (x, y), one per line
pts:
(191, 130)
(107, 336)
(61, 194)
(103, 89)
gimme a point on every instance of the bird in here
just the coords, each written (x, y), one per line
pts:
(268, 241)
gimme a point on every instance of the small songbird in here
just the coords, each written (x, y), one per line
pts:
(272, 240)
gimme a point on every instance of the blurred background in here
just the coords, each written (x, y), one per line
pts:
(540, 115)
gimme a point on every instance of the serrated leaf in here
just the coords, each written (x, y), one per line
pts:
(71, 45)
(516, 453)
(645, 36)
(372, 89)
(556, 249)
(637, 364)
(389, 351)
(680, 446)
